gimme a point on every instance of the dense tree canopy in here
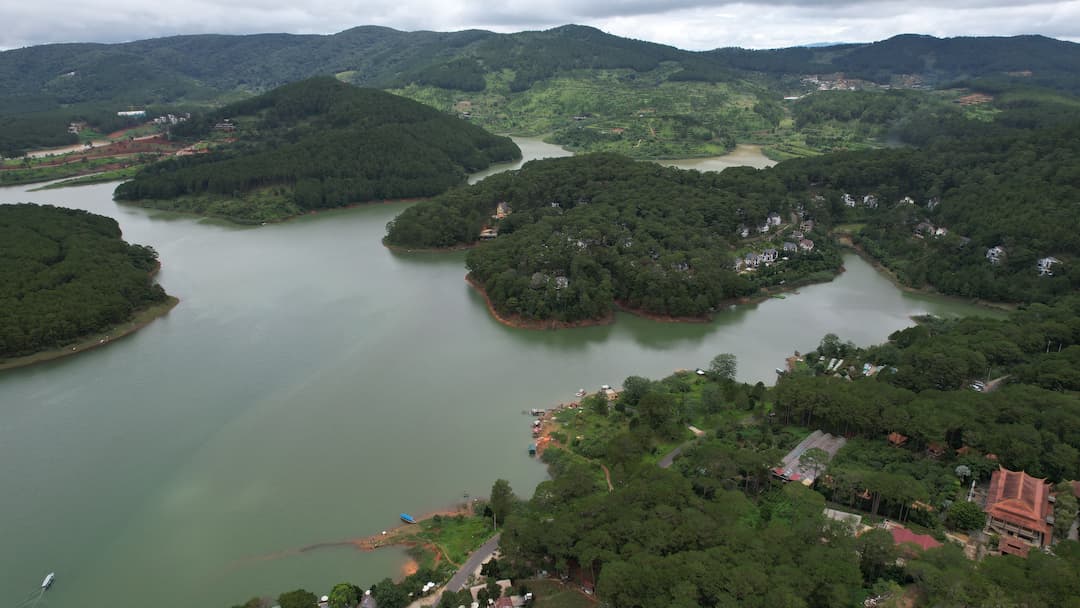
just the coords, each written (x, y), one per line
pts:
(65, 274)
(321, 143)
(587, 231)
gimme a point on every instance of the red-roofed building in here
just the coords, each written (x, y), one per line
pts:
(903, 536)
(1019, 506)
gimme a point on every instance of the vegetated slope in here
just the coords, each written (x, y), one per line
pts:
(317, 144)
(526, 82)
(1038, 60)
(990, 186)
(167, 69)
(65, 274)
(719, 529)
(587, 231)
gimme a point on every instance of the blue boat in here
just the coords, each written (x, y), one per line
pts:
(405, 517)
(532, 449)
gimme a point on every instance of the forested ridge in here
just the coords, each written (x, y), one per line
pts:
(442, 68)
(66, 274)
(318, 144)
(587, 231)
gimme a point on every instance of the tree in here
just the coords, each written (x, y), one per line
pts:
(502, 499)
(634, 388)
(724, 366)
(596, 403)
(387, 594)
(300, 598)
(1065, 510)
(963, 515)
(830, 346)
(344, 595)
(814, 459)
(963, 472)
(877, 552)
(712, 399)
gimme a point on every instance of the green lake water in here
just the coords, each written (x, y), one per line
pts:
(310, 386)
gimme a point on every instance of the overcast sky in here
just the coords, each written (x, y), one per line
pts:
(688, 24)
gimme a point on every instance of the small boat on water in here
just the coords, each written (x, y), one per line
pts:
(45, 584)
(532, 449)
(580, 393)
(405, 517)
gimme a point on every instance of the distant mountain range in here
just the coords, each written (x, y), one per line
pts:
(212, 67)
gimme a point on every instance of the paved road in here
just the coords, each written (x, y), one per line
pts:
(478, 557)
(666, 461)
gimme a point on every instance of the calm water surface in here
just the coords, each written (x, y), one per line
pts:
(309, 387)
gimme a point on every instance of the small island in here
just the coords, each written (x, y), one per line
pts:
(311, 145)
(70, 283)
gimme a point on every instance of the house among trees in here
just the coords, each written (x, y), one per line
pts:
(486, 234)
(907, 200)
(773, 219)
(744, 231)
(807, 226)
(790, 247)
(1046, 266)
(769, 256)
(1020, 509)
(897, 439)
(994, 254)
(870, 201)
(924, 228)
(806, 245)
(931, 204)
(849, 200)
(502, 210)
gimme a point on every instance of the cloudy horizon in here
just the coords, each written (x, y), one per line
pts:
(687, 24)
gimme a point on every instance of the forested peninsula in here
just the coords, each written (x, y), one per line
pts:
(568, 238)
(67, 275)
(316, 144)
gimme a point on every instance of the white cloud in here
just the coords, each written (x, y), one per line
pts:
(691, 24)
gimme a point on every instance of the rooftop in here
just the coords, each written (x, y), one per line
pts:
(1019, 499)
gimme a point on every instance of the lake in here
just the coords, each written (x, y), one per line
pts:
(310, 386)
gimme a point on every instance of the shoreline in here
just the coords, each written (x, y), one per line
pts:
(455, 248)
(98, 339)
(519, 323)
(846, 242)
(764, 293)
(146, 204)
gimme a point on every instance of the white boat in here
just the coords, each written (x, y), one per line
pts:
(580, 393)
(45, 584)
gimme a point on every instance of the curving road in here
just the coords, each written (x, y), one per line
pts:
(477, 558)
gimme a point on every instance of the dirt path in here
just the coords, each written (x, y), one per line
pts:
(607, 476)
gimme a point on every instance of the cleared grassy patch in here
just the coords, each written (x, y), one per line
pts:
(456, 537)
